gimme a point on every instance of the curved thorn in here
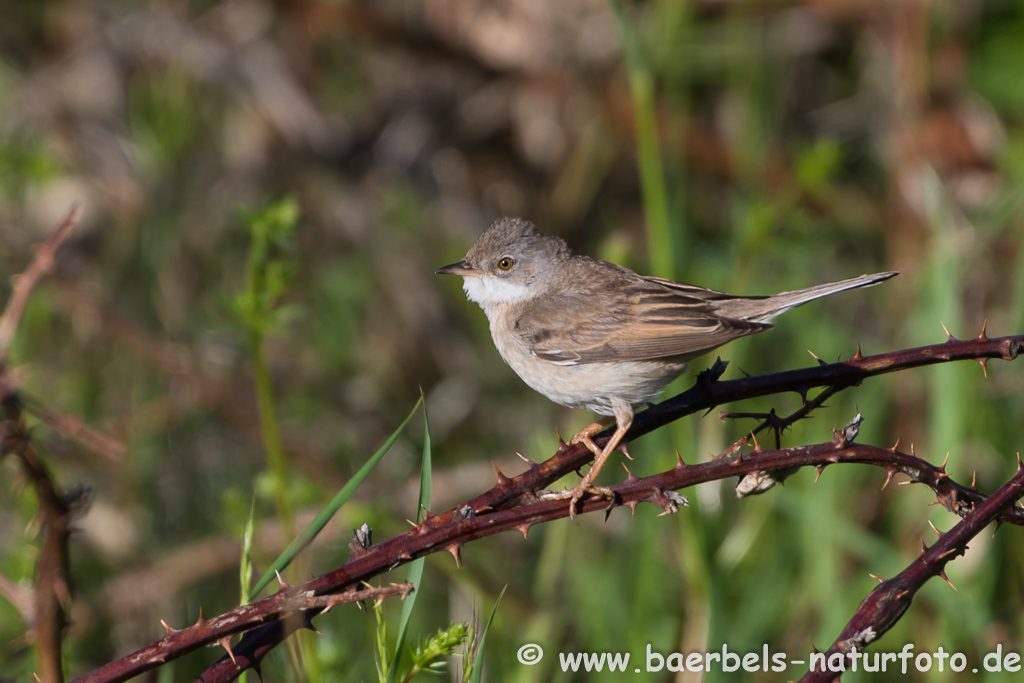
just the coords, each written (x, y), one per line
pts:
(984, 327)
(225, 643)
(949, 337)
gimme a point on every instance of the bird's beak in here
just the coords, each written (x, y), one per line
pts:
(461, 268)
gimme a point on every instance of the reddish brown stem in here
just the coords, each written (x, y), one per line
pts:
(884, 605)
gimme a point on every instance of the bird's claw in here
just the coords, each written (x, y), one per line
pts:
(576, 494)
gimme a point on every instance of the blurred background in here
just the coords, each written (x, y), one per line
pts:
(747, 146)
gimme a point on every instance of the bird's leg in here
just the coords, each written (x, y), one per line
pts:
(623, 421)
(585, 435)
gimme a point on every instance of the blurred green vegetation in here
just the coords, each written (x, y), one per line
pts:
(742, 146)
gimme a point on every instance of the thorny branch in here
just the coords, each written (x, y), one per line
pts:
(512, 503)
(884, 605)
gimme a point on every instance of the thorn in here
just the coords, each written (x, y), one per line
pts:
(901, 595)
(454, 550)
(923, 547)
(888, 477)
(757, 446)
(523, 528)
(820, 361)
(625, 451)
(679, 461)
(912, 449)
(502, 479)
(949, 337)
(937, 532)
(170, 631)
(561, 442)
(629, 475)
(632, 506)
(529, 462)
(876, 578)
(820, 468)
(942, 467)
(895, 446)
(942, 575)
(974, 477)
(984, 327)
(281, 582)
(201, 620)
(225, 643)
(857, 356)
(745, 373)
(983, 362)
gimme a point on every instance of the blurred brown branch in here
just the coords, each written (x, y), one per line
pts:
(53, 584)
(42, 263)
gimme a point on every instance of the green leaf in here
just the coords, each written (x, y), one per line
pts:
(245, 570)
(314, 527)
(477, 671)
(416, 566)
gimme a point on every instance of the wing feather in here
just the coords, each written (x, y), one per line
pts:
(646, 319)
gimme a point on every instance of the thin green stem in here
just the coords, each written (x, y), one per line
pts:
(276, 459)
(648, 149)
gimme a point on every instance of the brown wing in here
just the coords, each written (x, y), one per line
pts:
(633, 318)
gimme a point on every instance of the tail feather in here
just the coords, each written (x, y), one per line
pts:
(764, 309)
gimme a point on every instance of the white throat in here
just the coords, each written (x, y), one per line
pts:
(489, 290)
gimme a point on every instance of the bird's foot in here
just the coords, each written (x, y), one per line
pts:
(575, 494)
(584, 436)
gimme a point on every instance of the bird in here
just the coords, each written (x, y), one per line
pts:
(593, 335)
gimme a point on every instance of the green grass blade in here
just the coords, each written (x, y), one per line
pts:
(245, 568)
(416, 566)
(474, 676)
(314, 527)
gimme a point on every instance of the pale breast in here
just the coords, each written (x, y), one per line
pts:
(588, 386)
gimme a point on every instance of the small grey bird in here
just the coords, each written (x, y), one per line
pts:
(593, 335)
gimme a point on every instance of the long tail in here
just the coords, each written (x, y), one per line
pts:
(764, 309)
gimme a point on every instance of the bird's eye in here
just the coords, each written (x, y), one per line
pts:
(506, 263)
